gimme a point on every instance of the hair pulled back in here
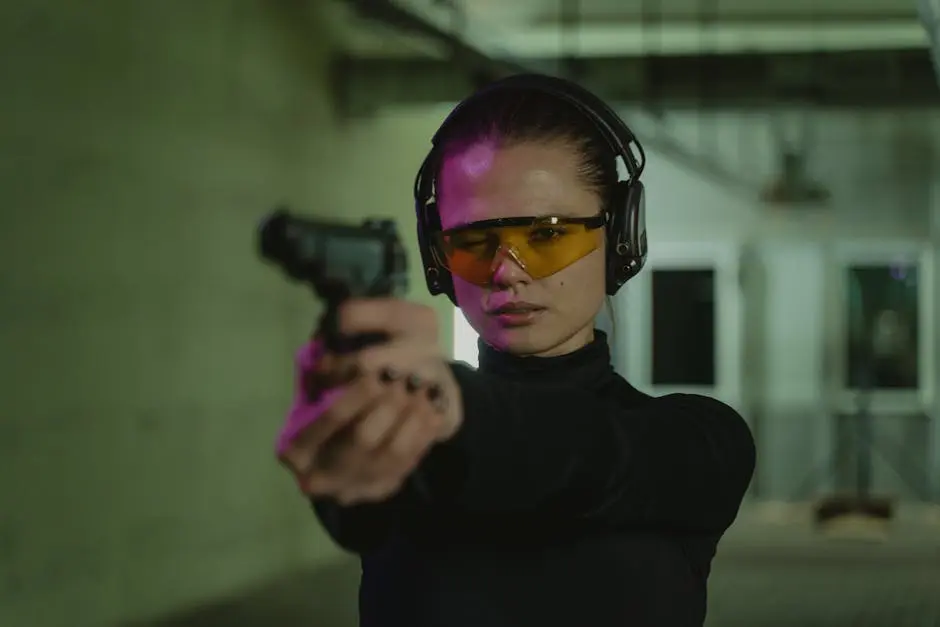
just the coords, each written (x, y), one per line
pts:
(515, 115)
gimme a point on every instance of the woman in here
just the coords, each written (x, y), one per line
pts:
(541, 489)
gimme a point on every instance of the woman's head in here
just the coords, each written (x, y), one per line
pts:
(522, 154)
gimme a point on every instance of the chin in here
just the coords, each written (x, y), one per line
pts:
(527, 340)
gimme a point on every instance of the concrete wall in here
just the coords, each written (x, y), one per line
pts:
(145, 354)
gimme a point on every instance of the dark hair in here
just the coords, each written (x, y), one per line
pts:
(517, 115)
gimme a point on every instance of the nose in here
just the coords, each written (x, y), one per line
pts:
(507, 268)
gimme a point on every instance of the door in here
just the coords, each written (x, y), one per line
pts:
(879, 366)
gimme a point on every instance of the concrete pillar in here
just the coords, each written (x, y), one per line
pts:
(933, 459)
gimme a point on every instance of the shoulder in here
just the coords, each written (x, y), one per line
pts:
(629, 397)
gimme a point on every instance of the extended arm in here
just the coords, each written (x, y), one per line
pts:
(681, 461)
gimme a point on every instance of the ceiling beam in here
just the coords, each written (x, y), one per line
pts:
(363, 85)
(660, 29)
(851, 80)
(822, 17)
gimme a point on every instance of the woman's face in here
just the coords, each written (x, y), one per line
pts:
(487, 181)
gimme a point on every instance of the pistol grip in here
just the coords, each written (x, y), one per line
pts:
(339, 344)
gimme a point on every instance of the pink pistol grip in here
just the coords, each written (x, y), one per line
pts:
(302, 413)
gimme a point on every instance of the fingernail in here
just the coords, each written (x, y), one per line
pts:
(436, 396)
(387, 375)
(412, 383)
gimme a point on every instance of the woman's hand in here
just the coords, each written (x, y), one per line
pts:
(362, 422)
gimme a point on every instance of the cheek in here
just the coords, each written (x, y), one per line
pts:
(581, 280)
(469, 296)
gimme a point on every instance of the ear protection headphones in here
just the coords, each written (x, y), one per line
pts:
(625, 208)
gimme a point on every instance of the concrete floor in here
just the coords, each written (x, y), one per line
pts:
(773, 570)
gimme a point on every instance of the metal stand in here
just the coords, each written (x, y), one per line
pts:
(862, 499)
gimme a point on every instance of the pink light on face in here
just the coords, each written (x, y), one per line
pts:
(463, 173)
(478, 159)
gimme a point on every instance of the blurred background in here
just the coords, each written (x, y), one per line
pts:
(145, 353)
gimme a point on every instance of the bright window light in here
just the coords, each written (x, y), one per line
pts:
(465, 340)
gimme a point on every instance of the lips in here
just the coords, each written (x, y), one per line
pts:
(515, 308)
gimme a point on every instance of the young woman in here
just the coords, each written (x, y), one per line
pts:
(541, 489)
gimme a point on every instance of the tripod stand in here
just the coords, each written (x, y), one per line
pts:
(861, 499)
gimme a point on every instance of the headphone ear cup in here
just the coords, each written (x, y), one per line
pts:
(626, 234)
(636, 221)
(437, 277)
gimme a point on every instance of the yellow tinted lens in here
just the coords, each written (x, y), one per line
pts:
(541, 249)
(551, 248)
(469, 254)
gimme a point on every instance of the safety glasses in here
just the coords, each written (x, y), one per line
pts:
(541, 246)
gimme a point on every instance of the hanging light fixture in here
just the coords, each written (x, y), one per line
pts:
(793, 127)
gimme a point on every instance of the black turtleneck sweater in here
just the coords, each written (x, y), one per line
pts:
(568, 499)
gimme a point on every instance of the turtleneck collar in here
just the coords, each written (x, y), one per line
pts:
(588, 366)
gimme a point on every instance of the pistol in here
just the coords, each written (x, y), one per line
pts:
(337, 261)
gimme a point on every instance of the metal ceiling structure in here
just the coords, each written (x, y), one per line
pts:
(852, 80)
(847, 53)
(651, 55)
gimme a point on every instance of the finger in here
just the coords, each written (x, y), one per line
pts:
(393, 359)
(407, 445)
(333, 411)
(372, 493)
(300, 420)
(332, 468)
(427, 392)
(346, 458)
(397, 318)
(297, 460)
(334, 370)
(379, 424)
(374, 455)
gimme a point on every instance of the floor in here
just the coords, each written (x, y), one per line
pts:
(774, 570)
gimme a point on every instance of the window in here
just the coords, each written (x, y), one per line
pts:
(465, 340)
(883, 321)
(683, 339)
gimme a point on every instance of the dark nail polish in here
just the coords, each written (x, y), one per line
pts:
(412, 383)
(437, 398)
(387, 375)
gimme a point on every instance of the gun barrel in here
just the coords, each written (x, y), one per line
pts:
(336, 259)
